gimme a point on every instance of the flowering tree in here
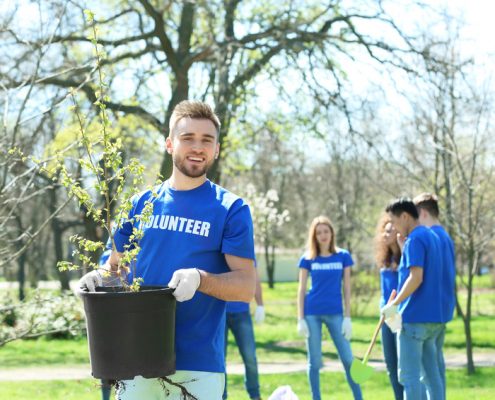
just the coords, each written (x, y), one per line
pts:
(268, 220)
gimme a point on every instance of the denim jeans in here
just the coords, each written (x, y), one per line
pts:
(241, 325)
(418, 360)
(389, 346)
(334, 326)
(441, 360)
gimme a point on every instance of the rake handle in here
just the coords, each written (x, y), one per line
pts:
(373, 340)
(377, 329)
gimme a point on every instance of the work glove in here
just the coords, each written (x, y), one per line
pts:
(394, 323)
(99, 277)
(185, 282)
(389, 310)
(259, 314)
(347, 328)
(392, 318)
(302, 327)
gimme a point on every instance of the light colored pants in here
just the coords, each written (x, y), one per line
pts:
(202, 385)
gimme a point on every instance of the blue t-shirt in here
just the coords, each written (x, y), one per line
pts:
(449, 272)
(237, 306)
(188, 229)
(325, 295)
(389, 280)
(422, 249)
(105, 255)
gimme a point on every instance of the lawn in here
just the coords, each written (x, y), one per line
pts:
(480, 386)
(277, 340)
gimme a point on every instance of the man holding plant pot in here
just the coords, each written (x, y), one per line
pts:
(199, 241)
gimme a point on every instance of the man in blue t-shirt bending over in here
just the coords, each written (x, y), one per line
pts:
(418, 302)
(199, 241)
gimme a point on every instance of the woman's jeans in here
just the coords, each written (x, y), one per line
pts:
(334, 326)
(418, 360)
(241, 325)
(389, 346)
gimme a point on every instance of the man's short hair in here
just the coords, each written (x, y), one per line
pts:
(429, 202)
(193, 109)
(401, 205)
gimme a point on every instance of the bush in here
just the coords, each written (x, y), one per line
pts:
(46, 314)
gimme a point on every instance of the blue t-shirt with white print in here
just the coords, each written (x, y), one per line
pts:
(449, 272)
(192, 229)
(422, 249)
(325, 295)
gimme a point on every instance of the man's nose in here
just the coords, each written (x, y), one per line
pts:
(197, 145)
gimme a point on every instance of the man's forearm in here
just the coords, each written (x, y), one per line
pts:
(410, 286)
(238, 285)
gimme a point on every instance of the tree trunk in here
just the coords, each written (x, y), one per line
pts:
(21, 273)
(270, 264)
(63, 276)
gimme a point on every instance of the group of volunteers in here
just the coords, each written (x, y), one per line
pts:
(210, 262)
(416, 258)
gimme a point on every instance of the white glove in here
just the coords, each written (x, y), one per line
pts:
(185, 282)
(394, 323)
(389, 311)
(259, 314)
(302, 327)
(98, 277)
(347, 328)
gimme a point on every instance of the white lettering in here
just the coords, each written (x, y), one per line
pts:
(205, 229)
(197, 225)
(181, 226)
(163, 222)
(189, 225)
(149, 223)
(173, 221)
(326, 266)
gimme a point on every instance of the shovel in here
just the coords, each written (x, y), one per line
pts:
(360, 370)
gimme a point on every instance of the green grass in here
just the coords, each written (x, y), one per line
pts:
(479, 386)
(277, 339)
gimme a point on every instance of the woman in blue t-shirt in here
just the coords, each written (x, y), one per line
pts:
(387, 257)
(328, 267)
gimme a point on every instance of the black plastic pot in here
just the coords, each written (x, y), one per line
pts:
(131, 333)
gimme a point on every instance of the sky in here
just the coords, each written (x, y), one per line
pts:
(477, 37)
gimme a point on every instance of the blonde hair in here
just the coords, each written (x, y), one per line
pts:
(313, 248)
(192, 109)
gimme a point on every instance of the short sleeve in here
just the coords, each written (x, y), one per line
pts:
(348, 261)
(238, 235)
(304, 263)
(415, 253)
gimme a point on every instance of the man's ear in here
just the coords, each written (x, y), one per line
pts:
(217, 151)
(169, 145)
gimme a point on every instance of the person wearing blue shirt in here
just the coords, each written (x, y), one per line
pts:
(427, 205)
(387, 257)
(239, 322)
(199, 241)
(330, 270)
(418, 302)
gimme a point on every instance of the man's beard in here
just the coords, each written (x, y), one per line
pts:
(191, 172)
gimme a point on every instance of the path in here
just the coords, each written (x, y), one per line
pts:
(486, 359)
